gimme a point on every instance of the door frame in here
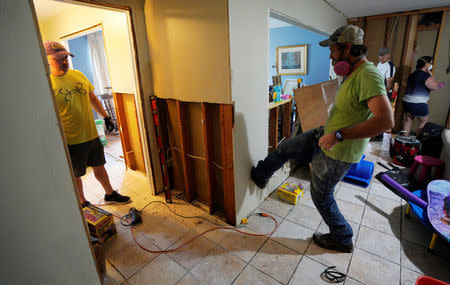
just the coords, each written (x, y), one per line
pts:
(134, 11)
(143, 79)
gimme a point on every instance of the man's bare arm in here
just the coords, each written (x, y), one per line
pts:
(383, 119)
(97, 105)
(389, 83)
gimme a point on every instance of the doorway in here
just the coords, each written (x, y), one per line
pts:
(101, 41)
(91, 60)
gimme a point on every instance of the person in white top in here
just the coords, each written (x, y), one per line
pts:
(387, 69)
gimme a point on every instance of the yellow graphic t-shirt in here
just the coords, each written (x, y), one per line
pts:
(72, 98)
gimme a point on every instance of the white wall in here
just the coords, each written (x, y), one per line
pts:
(77, 17)
(249, 45)
(43, 239)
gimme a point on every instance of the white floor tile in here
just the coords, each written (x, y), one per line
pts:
(277, 261)
(371, 269)
(308, 272)
(329, 257)
(162, 270)
(417, 258)
(379, 243)
(251, 275)
(305, 216)
(293, 236)
(241, 245)
(218, 267)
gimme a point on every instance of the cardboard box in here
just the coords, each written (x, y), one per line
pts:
(100, 222)
(290, 193)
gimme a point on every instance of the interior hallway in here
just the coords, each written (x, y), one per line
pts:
(389, 249)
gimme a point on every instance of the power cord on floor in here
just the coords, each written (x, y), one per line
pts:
(134, 217)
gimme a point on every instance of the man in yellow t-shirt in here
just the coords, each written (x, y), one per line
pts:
(74, 98)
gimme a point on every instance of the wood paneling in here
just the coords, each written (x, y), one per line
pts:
(273, 129)
(374, 36)
(207, 138)
(202, 134)
(184, 145)
(226, 130)
(287, 120)
(196, 152)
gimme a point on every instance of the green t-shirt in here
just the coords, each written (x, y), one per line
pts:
(72, 98)
(350, 108)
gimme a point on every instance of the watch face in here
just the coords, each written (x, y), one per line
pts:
(339, 136)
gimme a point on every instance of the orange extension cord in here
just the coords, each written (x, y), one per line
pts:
(199, 235)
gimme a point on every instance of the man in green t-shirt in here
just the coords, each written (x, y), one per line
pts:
(361, 110)
(74, 98)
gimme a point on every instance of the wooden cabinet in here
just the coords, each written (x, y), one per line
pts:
(277, 109)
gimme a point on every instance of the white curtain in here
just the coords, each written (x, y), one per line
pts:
(99, 65)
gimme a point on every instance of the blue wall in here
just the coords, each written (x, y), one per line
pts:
(318, 62)
(82, 57)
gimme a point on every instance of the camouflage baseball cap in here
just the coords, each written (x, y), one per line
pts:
(384, 51)
(345, 34)
(56, 50)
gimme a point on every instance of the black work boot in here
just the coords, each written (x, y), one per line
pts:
(326, 241)
(115, 197)
(257, 178)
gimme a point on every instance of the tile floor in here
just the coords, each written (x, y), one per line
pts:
(389, 248)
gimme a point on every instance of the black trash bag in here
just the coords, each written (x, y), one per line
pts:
(400, 177)
(431, 140)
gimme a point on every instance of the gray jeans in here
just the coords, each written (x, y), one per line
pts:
(326, 172)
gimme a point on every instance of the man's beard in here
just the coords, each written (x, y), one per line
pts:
(64, 67)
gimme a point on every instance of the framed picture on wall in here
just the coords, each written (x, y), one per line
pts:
(291, 60)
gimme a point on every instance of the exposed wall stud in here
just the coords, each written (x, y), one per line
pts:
(226, 130)
(184, 147)
(207, 136)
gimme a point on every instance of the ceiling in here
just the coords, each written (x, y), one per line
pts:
(361, 8)
(46, 9)
(275, 23)
(349, 8)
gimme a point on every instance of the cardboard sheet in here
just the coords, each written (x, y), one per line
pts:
(314, 102)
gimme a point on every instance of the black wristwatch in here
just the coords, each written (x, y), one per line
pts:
(339, 135)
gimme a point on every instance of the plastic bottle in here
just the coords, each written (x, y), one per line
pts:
(101, 131)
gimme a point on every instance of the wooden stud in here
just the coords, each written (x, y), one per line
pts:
(429, 28)
(406, 63)
(207, 137)
(226, 131)
(364, 29)
(438, 42)
(411, 38)
(408, 13)
(273, 129)
(386, 33)
(183, 146)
